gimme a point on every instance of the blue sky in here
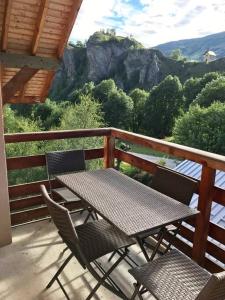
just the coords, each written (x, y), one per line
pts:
(151, 22)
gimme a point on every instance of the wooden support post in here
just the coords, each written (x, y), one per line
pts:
(109, 146)
(17, 83)
(203, 219)
(5, 223)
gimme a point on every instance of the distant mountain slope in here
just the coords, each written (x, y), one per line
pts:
(195, 48)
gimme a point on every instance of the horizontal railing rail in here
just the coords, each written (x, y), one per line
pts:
(27, 204)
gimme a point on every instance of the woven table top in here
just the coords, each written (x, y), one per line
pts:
(129, 205)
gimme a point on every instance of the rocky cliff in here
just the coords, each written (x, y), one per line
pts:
(124, 60)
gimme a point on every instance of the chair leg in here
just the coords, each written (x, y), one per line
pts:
(101, 281)
(158, 244)
(140, 242)
(136, 291)
(55, 277)
(172, 239)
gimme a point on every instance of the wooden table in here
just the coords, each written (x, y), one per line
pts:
(129, 205)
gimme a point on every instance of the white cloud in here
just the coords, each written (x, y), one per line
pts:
(159, 21)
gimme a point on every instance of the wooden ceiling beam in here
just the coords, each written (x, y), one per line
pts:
(71, 20)
(5, 25)
(47, 86)
(24, 100)
(17, 83)
(13, 60)
(40, 24)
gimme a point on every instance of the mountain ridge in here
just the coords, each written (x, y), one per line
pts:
(195, 48)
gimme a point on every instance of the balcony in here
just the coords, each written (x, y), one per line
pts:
(30, 258)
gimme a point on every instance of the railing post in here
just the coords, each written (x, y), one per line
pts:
(5, 222)
(109, 146)
(203, 219)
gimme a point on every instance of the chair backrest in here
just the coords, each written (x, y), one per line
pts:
(174, 185)
(214, 289)
(62, 220)
(59, 162)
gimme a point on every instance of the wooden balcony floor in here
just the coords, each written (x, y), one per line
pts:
(28, 264)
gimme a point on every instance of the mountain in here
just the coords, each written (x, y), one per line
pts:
(195, 48)
(124, 60)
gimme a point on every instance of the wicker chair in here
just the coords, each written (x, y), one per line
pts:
(174, 276)
(176, 186)
(60, 162)
(87, 243)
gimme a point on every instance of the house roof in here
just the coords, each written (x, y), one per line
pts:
(194, 170)
(33, 35)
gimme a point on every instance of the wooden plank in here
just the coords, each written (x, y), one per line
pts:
(71, 20)
(109, 146)
(24, 162)
(136, 161)
(212, 160)
(47, 86)
(43, 10)
(24, 100)
(55, 135)
(202, 219)
(26, 203)
(219, 195)
(211, 248)
(13, 60)
(36, 214)
(217, 232)
(5, 25)
(17, 83)
(25, 189)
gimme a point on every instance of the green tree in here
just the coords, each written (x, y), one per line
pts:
(86, 114)
(48, 113)
(202, 128)
(14, 124)
(86, 90)
(163, 106)
(213, 91)
(194, 86)
(176, 54)
(118, 110)
(139, 98)
(104, 89)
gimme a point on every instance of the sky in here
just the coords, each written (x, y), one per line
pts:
(151, 22)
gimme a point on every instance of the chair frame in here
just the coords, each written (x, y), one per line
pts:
(59, 162)
(160, 175)
(74, 246)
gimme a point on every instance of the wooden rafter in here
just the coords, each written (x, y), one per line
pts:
(40, 24)
(47, 86)
(71, 20)
(17, 83)
(14, 60)
(5, 25)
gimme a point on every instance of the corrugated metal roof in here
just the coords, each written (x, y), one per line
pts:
(194, 170)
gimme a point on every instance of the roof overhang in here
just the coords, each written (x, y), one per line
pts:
(33, 36)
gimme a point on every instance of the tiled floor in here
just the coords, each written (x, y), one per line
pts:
(31, 260)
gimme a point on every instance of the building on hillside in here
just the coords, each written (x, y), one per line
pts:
(209, 56)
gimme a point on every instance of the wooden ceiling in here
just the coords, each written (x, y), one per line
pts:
(33, 34)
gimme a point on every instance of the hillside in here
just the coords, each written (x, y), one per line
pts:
(124, 60)
(194, 48)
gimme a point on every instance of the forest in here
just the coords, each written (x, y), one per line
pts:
(192, 114)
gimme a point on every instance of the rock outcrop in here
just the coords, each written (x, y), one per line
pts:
(125, 61)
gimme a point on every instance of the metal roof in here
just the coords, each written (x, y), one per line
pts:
(194, 170)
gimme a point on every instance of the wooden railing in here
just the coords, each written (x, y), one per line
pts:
(27, 205)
